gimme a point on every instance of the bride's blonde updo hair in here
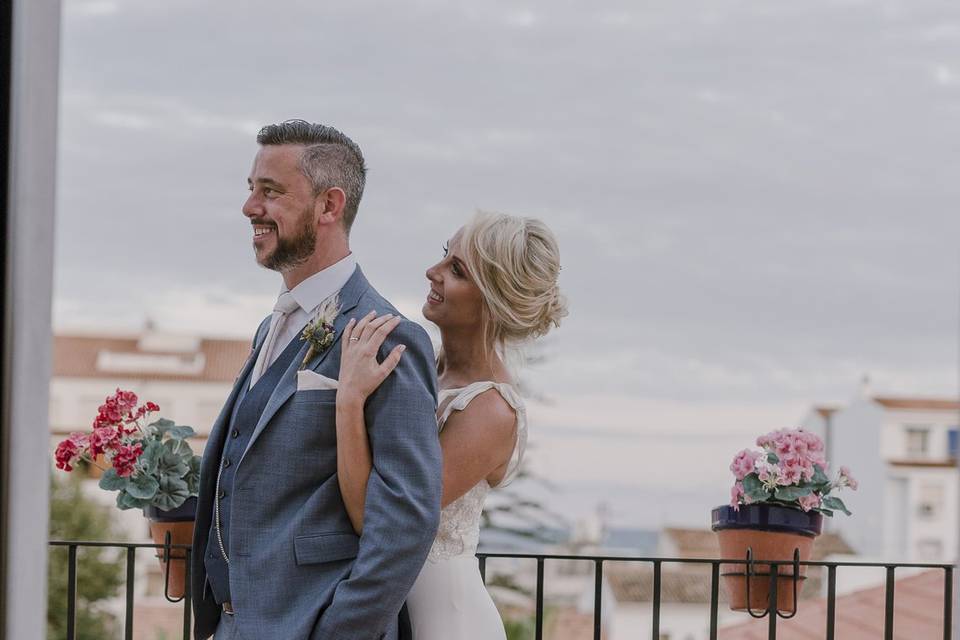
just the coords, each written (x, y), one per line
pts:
(515, 263)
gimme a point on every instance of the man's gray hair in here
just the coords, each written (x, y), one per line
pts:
(330, 159)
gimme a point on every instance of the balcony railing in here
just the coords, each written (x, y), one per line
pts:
(656, 564)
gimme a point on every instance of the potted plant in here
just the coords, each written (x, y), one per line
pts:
(777, 505)
(151, 467)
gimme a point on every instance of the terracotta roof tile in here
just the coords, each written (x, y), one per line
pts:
(826, 411)
(213, 359)
(918, 614)
(567, 623)
(935, 404)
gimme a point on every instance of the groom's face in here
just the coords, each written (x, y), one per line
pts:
(281, 208)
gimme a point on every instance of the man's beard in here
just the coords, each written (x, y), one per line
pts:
(292, 252)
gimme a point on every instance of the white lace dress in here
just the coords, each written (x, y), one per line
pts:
(448, 600)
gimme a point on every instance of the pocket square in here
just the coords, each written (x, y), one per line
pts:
(312, 381)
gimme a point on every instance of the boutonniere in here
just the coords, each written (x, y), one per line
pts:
(319, 332)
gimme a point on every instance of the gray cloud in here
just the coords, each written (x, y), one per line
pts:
(756, 202)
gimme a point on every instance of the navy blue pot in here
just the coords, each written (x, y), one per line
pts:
(767, 517)
(184, 513)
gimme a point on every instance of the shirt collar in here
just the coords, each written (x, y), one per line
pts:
(323, 284)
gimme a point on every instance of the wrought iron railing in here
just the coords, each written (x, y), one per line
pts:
(657, 564)
(163, 551)
(749, 571)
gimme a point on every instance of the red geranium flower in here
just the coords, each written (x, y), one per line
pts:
(71, 450)
(104, 439)
(125, 458)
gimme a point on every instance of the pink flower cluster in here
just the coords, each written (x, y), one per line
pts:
(796, 455)
(744, 463)
(117, 418)
(798, 452)
(844, 479)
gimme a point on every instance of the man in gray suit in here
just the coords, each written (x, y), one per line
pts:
(274, 554)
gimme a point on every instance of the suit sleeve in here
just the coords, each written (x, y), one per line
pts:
(402, 509)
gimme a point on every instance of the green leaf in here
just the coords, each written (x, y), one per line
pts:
(835, 504)
(773, 458)
(826, 512)
(180, 432)
(163, 424)
(174, 460)
(751, 483)
(753, 489)
(193, 476)
(143, 487)
(173, 492)
(150, 457)
(126, 501)
(819, 477)
(110, 481)
(789, 494)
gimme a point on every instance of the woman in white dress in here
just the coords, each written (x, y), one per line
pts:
(495, 287)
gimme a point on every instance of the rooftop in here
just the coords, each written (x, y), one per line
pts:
(149, 357)
(918, 404)
(918, 614)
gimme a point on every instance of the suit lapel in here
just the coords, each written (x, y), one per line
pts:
(223, 420)
(349, 297)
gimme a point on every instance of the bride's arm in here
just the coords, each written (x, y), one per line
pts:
(477, 444)
(360, 375)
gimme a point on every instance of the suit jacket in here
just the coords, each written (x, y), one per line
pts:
(297, 569)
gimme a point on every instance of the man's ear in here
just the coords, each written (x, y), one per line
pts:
(329, 205)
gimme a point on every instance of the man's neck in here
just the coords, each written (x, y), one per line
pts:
(317, 263)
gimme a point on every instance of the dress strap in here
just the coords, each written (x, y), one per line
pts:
(507, 392)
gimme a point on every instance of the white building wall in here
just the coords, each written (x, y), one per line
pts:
(857, 444)
(888, 522)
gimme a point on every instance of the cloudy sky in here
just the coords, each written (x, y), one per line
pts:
(756, 201)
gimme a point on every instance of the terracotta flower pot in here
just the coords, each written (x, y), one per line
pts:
(179, 523)
(771, 532)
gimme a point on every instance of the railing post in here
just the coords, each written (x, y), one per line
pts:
(597, 599)
(656, 600)
(72, 592)
(947, 603)
(714, 598)
(539, 619)
(772, 609)
(888, 612)
(131, 566)
(831, 600)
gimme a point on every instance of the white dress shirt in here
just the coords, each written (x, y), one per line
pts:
(309, 294)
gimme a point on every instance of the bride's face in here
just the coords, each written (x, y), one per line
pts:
(454, 300)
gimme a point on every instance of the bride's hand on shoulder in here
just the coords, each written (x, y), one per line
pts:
(360, 373)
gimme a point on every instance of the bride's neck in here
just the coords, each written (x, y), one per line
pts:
(467, 358)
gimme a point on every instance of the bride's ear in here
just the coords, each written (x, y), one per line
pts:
(329, 204)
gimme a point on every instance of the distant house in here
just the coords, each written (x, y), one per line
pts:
(903, 451)
(918, 614)
(188, 376)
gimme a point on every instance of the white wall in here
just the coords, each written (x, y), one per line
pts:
(857, 444)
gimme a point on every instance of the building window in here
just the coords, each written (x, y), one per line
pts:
(953, 443)
(930, 501)
(918, 441)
